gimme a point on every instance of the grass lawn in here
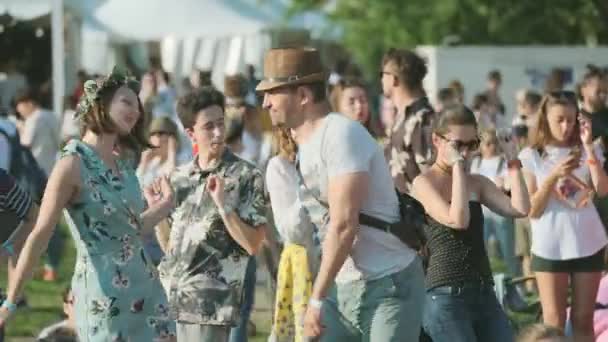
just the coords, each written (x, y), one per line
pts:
(45, 307)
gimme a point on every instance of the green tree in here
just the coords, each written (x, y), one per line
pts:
(370, 27)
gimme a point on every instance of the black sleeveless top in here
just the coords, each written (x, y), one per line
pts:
(457, 256)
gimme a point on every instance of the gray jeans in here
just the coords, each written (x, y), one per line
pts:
(202, 333)
(381, 310)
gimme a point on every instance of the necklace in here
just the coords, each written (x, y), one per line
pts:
(445, 169)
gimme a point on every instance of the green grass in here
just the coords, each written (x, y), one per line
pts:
(45, 306)
(44, 298)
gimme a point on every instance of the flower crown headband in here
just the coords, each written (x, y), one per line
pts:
(93, 88)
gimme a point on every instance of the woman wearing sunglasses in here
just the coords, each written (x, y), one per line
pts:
(460, 300)
(563, 169)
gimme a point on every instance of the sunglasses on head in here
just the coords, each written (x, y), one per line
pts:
(564, 95)
(460, 145)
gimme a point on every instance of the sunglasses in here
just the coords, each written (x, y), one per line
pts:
(563, 95)
(381, 73)
(460, 145)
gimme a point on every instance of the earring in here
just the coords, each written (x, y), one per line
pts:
(194, 149)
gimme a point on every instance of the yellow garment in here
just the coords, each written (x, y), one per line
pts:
(294, 286)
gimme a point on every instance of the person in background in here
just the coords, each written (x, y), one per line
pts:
(388, 113)
(528, 102)
(493, 93)
(40, 133)
(593, 91)
(300, 257)
(493, 165)
(556, 80)
(563, 169)
(69, 126)
(65, 329)
(18, 213)
(446, 97)
(12, 82)
(349, 97)
(458, 89)
(524, 126)
(461, 305)
(408, 145)
(158, 161)
(256, 143)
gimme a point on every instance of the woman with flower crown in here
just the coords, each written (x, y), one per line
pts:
(117, 293)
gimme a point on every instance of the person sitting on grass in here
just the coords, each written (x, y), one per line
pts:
(65, 330)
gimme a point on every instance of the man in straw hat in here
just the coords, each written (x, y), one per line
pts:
(378, 279)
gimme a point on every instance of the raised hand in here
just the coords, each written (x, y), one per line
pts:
(452, 154)
(585, 129)
(215, 186)
(508, 145)
(159, 192)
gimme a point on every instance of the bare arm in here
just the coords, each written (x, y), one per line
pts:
(346, 195)
(597, 172)
(250, 238)
(247, 236)
(540, 193)
(456, 214)
(495, 199)
(61, 188)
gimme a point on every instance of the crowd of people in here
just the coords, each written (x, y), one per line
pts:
(386, 224)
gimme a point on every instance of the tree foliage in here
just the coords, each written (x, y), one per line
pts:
(370, 27)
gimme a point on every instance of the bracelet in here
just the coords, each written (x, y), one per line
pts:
(514, 164)
(11, 307)
(315, 303)
(592, 161)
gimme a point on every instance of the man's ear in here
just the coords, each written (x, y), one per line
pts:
(304, 95)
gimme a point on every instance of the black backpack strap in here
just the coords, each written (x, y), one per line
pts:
(364, 219)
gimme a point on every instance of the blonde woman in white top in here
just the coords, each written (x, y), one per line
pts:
(563, 168)
(300, 256)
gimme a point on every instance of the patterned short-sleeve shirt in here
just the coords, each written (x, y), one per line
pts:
(204, 269)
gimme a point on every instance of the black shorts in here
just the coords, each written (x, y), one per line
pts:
(592, 263)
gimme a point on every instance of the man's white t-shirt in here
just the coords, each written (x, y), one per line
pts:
(338, 147)
(41, 134)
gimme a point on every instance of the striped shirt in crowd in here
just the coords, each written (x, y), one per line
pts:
(14, 201)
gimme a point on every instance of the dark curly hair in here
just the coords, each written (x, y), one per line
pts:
(190, 104)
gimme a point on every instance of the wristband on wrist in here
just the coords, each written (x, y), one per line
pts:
(514, 164)
(592, 161)
(11, 307)
(315, 303)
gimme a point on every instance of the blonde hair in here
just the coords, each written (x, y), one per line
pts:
(287, 147)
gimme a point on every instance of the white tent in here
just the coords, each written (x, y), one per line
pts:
(219, 34)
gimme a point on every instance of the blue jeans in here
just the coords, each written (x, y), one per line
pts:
(503, 229)
(388, 309)
(239, 332)
(465, 314)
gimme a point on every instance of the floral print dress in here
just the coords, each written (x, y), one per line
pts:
(117, 293)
